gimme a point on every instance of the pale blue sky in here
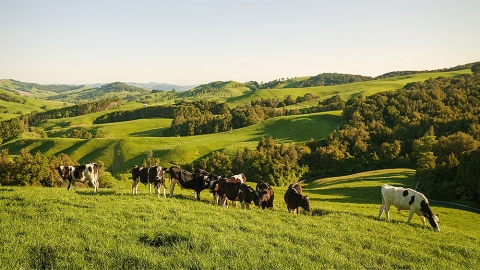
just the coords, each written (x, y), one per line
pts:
(199, 41)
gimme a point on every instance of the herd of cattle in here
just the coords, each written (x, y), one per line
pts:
(235, 189)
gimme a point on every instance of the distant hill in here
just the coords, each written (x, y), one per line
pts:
(162, 86)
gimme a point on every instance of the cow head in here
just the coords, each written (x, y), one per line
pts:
(427, 213)
(434, 221)
(64, 172)
(305, 203)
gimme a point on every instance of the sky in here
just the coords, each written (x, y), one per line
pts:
(186, 42)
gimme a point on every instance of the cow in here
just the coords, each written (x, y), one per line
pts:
(294, 199)
(140, 174)
(264, 195)
(213, 186)
(82, 173)
(247, 195)
(197, 181)
(156, 175)
(407, 199)
(233, 189)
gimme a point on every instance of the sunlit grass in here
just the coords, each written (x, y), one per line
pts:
(56, 228)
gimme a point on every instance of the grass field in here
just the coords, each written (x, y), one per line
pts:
(127, 143)
(346, 91)
(52, 228)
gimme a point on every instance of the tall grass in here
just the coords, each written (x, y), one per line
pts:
(53, 228)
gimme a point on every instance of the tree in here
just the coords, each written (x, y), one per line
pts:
(476, 68)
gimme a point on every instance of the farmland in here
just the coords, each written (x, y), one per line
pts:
(55, 228)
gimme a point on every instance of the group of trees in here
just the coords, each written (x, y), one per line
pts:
(57, 88)
(326, 79)
(15, 126)
(9, 98)
(272, 162)
(427, 125)
(28, 169)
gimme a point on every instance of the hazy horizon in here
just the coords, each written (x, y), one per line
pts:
(199, 41)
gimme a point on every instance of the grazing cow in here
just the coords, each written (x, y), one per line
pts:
(156, 175)
(228, 189)
(264, 195)
(247, 195)
(197, 181)
(82, 173)
(294, 199)
(213, 186)
(233, 189)
(407, 199)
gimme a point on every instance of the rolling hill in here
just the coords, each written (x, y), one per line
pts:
(125, 144)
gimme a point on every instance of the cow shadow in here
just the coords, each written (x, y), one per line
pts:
(100, 192)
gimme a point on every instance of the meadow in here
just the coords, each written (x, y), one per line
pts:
(127, 143)
(52, 228)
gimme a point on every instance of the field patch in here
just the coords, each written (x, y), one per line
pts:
(56, 228)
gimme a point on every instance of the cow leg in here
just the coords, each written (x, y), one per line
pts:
(95, 186)
(215, 198)
(380, 212)
(387, 212)
(423, 220)
(149, 188)
(172, 186)
(242, 203)
(69, 183)
(197, 195)
(225, 201)
(135, 186)
(410, 215)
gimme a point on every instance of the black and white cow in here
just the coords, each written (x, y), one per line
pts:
(197, 181)
(82, 173)
(407, 199)
(156, 175)
(140, 174)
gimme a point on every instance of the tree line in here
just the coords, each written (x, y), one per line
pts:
(15, 126)
(9, 98)
(57, 88)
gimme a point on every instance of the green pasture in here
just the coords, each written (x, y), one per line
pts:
(127, 143)
(52, 228)
(346, 91)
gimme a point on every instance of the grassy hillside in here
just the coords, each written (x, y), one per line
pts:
(346, 91)
(129, 141)
(27, 104)
(53, 228)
